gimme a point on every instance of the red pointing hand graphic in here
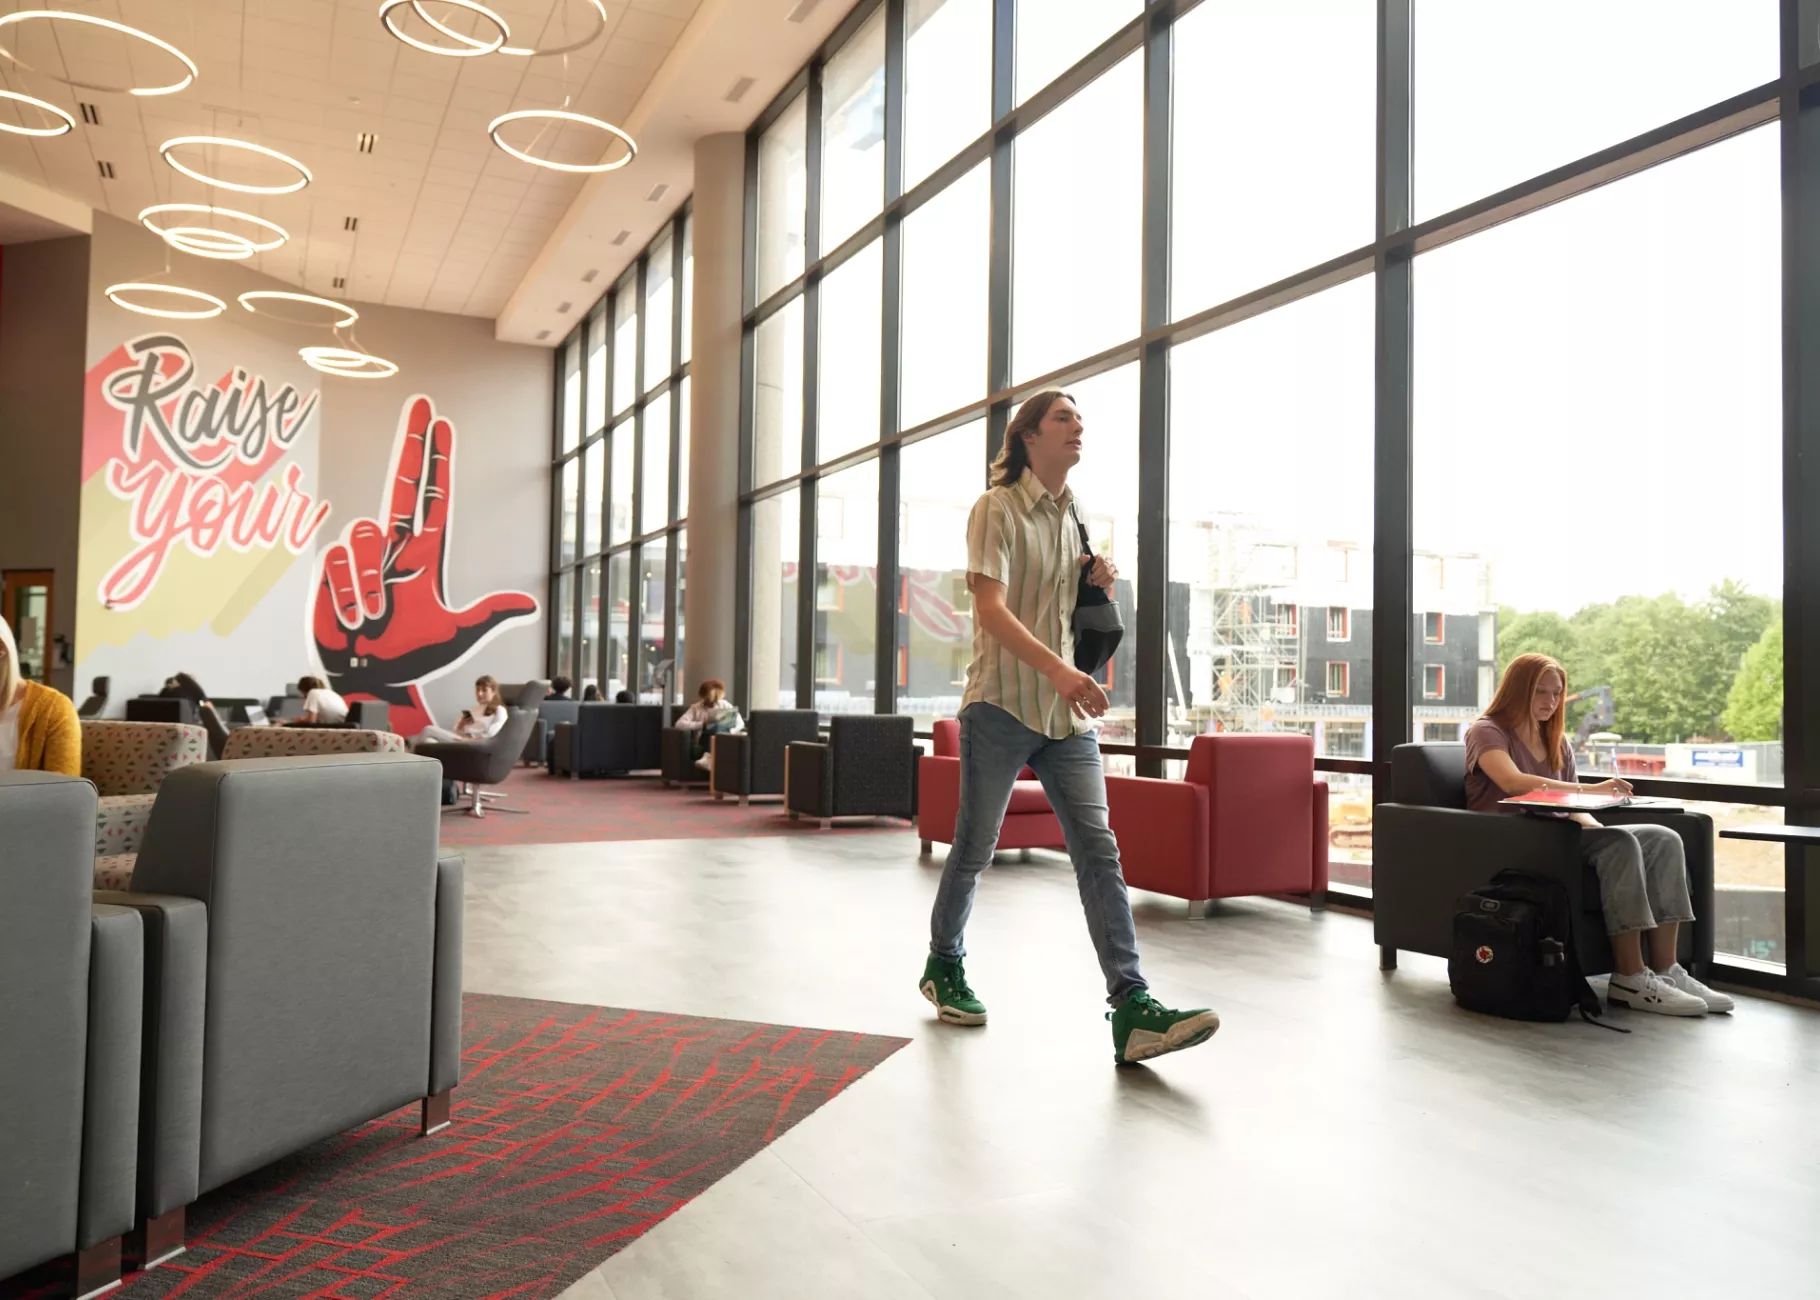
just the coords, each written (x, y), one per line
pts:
(382, 621)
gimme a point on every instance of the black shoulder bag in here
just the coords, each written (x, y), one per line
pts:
(1097, 627)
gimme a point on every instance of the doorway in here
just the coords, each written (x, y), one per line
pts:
(26, 602)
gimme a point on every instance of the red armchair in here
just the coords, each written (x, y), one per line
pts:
(1249, 817)
(1029, 821)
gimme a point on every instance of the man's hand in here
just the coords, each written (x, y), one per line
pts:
(1083, 694)
(1104, 572)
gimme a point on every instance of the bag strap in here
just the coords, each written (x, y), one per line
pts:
(1086, 543)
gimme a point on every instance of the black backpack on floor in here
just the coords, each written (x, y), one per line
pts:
(1513, 952)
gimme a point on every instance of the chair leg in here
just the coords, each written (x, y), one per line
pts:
(161, 1238)
(1387, 957)
(436, 1112)
(928, 847)
(1317, 900)
(98, 1268)
(745, 800)
(1197, 909)
(826, 823)
(1023, 855)
(476, 805)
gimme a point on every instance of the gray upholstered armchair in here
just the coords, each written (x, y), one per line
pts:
(70, 1014)
(751, 763)
(303, 965)
(1428, 850)
(866, 769)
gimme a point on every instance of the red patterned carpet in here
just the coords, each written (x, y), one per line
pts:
(625, 808)
(575, 1130)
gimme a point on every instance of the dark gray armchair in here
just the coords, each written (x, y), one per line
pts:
(752, 764)
(478, 764)
(1428, 850)
(70, 1007)
(867, 768)
(96, 704)
(303, 965)
(608, 739)
(677, 752)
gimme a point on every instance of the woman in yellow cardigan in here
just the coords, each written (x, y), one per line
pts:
(38, 727)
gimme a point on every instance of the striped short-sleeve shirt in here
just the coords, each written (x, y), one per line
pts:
(1024, 537)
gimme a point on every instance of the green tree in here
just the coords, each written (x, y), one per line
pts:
(1540, 632)
(1754, 708)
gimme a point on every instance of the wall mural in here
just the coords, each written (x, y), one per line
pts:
(382, 621)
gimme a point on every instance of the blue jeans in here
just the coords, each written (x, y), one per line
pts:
(995, 747)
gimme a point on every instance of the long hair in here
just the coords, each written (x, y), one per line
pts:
(487, 679)
(1510, 706)
(711, 691)
(11, 678)
(1014, 457)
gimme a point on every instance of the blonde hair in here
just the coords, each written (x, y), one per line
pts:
(1014, 457)
(1510, 707)
(11, 679)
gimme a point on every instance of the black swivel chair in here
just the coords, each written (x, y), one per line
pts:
(1427, 850)
(96, 703)
(477, 764)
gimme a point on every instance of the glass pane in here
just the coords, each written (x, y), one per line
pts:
(597, 367)
(1270, 573)
(1068, 32)
(653, 650)
(853, 133)
(783, 178)
(940, 478)
(688, 291)
(682, 588)
(660, 301)
(622, 482)
(947, 81)
(776, 550)
(947, 244)
(683, 439)
(1628, 545)
(565, 623)
(777, 405)
(1105, 484)
(1262, 195)
(852, 307)
(571, 396)
(625, 342)
(654, 503)
(619, 622)
(571, 468)
(1750, 885)
(846, 589)
(594, 482)
(1077, 234)
(1612, 69)
(589, 659)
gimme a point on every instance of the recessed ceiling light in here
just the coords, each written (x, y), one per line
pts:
(562, 115)
(738, 90)
(350, 223)
(365, 141)
(542, 335)
(106, 169)
(95, 20)
(90, 114)
(589, 278)
(803, 9)
(63, 127)
(621, 238)
(657, 193)
(225, 142)
(564, 307)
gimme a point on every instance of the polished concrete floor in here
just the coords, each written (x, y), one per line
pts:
(1345, 1134)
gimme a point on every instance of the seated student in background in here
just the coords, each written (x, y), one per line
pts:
(711, 714)
(184, 687)
(38, 727)
(624, 697)
(321, 706)
(1521, 745)
(482, 722)
(559, 688)
(590, 694)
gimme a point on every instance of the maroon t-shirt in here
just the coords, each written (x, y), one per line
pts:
(1482, 793)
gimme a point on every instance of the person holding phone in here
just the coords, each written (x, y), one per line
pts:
(482, 722)
(1026, 703)
(1521, 745)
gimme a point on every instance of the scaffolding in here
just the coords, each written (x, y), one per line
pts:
(1248, 642)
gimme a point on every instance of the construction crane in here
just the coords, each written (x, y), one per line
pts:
(1601, 716)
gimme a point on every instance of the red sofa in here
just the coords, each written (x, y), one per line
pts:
(1029, 821)
(1249, 817)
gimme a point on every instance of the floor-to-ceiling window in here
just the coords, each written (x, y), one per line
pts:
(621, 478)
(1392, 368)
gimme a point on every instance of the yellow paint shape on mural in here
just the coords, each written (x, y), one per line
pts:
(191, 591)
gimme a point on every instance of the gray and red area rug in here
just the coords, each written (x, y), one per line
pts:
(575, 1130)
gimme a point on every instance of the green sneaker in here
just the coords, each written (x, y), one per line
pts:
(945, 985)
(1142, 1028)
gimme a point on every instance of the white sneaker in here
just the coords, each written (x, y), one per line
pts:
(705, 762)
(1717, 1002)
(1649, 992)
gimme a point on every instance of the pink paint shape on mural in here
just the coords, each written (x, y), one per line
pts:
(381, 619)
(193, 462)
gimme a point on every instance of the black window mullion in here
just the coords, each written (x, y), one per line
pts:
(807, 579)
(998, 289)
(884, 641)
(635, 630)
(1153, 646)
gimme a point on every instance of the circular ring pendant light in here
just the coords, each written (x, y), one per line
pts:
(248, 299)
(562, 115)
(224, 142)
(95, 20)
(117, 295)
(347, 363)
(68, 124)
(595, 8)
(213, 241)
(466, 47)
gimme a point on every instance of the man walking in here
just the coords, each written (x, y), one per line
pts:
(1027, 704)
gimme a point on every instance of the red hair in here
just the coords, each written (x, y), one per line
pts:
(1510, 707)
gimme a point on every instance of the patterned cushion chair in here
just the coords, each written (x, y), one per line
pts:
(292, 742)
(128, 761)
